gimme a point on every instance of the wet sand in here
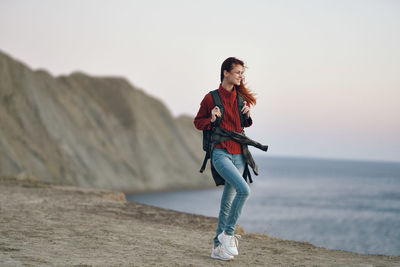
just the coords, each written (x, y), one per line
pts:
(46, 224)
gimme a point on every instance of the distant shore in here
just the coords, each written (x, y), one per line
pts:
(47, 224)
(168, 190)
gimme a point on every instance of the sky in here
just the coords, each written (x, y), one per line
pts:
(326, 74)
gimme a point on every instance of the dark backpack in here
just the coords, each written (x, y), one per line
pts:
(207, 133)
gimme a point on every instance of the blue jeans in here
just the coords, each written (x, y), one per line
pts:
(236, 190)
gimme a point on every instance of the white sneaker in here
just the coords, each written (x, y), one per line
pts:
(229, 243)
(219, 253)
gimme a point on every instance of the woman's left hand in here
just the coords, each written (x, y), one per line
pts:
(246, 109)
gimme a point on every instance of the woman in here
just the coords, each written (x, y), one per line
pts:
(227, 157)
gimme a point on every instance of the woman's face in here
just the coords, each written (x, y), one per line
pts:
(236, 75)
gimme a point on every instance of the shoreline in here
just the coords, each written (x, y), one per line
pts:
(82, 226)
(167, 190)
(172, 199)
(241, 230)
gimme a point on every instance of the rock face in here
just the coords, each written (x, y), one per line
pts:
(93, 132)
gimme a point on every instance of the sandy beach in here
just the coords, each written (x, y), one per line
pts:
(46, 224)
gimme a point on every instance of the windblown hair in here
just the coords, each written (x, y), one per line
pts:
(228, 65)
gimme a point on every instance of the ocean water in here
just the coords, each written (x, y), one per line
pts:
(337, 204)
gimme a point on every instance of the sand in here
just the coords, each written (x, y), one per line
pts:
(46, 224)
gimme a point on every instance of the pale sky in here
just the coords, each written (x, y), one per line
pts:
(326, 73)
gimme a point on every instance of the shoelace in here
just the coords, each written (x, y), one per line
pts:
(234, 240)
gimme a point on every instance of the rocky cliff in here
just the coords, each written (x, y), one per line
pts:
(93, 132)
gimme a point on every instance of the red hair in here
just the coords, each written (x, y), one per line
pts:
(227, 65)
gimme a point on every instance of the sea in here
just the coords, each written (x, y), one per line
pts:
(337, 204)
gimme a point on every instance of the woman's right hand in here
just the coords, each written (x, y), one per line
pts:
(214, 113)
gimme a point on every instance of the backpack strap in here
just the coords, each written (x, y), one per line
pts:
(207, 133)
(217, 102)
(240, 106)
